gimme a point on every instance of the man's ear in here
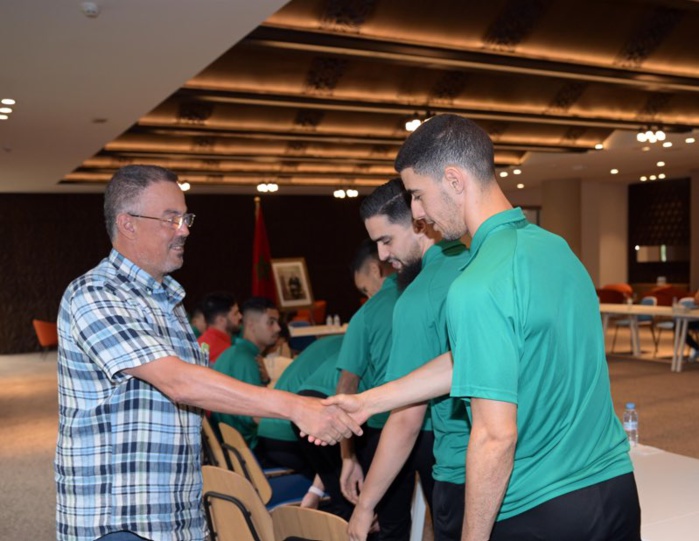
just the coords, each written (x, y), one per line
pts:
(419, 226)
(455, 179)
(125, 225)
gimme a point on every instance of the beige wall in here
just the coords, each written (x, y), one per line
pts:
(561, 210)
(694, 231)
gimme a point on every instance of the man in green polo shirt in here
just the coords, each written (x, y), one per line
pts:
(419, 335)
(363, 356)
(242, 361)
(547, 457)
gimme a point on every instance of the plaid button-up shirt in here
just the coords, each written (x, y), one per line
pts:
(127, 458)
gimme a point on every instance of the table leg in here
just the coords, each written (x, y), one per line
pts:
(635, 339)
(681, 327)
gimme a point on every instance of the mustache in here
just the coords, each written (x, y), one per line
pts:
(178, 242)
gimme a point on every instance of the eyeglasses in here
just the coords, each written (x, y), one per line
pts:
(176, 222)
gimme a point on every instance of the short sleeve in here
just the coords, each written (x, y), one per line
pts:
(114, 333)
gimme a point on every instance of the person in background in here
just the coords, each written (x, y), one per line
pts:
(243, 361)
(198, 322)
(132, 381)
(223, 319)
(364, 355)
(426, 267)
(693, 326)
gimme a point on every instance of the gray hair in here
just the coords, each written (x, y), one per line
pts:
(126, 186)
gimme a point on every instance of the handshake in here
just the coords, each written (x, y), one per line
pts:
(327, 421)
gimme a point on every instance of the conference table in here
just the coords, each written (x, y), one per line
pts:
(316, 330)
(668, 488)
(681, 317)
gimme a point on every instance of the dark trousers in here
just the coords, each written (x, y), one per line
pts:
(691, 342)
(272, 453)
(448, 510)
(394, 508)
(607, 511)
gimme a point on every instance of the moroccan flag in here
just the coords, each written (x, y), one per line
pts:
(262, 282)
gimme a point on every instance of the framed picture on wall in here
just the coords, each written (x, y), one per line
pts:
(292, 283)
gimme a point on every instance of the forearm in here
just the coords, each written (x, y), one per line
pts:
(205, 388)
(429, 381)
(489, 462)
(397, 441)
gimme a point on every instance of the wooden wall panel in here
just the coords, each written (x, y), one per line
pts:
(48, 240)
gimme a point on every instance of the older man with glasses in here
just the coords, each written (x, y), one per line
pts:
(132, 380)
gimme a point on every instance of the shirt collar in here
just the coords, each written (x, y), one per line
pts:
(221, 334)
(247, 345)
(390, 281)
(496, 221)
(136, 275)
(438, 248)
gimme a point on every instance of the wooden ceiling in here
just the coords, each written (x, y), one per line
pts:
(318, 95)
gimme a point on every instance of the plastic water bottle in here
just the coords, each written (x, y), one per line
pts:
(329, 320)
(336, 320)
(631, 423)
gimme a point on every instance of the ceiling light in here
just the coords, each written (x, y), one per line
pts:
(614, 171)
(503, 174)
(520, 186)
(667, 144)
(8, 101)
(644, 178)
(689, 140)
(352, 193)
(648, 134)
(641, 137)
(637, 248)
(645, 149)
(660, 135)
(660, 164)
(4, 117)
(661, 176)
(599, 146)
(184, 186)
(516, 171)
(266, 187)
(339, 194)
(5, 110)
(652, 177)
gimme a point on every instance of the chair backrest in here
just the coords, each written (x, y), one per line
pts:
(243, 461)
(612, 296)
(624, 289)
(212, 446)
(46, 333)
(688, 302)
(647, 301)
(233, 508)
(292, 521)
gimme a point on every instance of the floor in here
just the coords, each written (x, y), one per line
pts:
(28, 421)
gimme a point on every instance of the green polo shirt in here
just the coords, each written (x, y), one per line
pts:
(525, 328)
(420, 335)
(319, 353)
(367, 343)
(239, 361)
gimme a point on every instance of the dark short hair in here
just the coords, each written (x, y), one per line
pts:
(126, 186)
(390, 200)
(448, 140)
(216, 304)
(367, 250)
(257, 304)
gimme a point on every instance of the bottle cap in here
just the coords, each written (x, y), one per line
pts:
(630, 406)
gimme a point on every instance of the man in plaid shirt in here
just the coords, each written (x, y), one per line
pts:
(132, 380)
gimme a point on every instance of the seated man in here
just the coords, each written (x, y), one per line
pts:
(223, 318)
(243, 360)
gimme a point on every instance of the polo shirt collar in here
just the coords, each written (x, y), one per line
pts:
(434, 251)
(496, 221)
(247, 345)
(144, 281)
(390, 281)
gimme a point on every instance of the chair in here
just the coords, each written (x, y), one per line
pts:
(213, 451)
(611, 296)
(314, 315)
(46, 334)
(669, 324)
(642, 321)
(624, 289)
(234, 512)
(274, 486)
(300, 523)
